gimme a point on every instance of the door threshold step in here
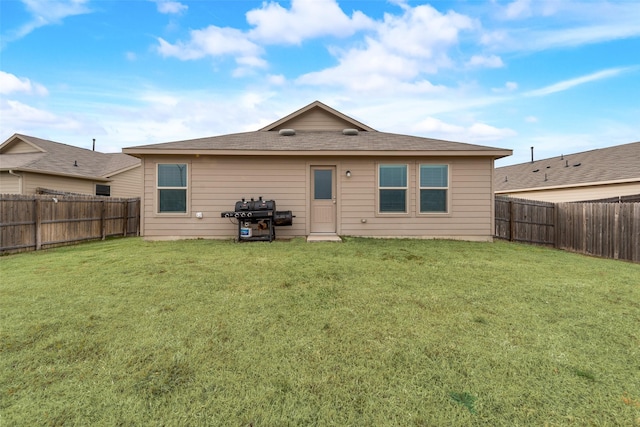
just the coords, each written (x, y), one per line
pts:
(323, 237)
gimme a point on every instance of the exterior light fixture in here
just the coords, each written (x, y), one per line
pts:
(348, 174)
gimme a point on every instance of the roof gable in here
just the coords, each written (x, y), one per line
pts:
(319, 131)
(17, 144)
(61, 159)
(317, 117)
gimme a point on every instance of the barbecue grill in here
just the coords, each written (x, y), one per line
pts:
(257, 219)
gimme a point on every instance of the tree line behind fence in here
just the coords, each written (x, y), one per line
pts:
(33, 222)
(610, 230)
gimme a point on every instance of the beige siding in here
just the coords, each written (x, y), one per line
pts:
(216, 183)
(577, 194)
(316, 119)
(127, 184)
(9, 184)
(32, 181)
(470, 215)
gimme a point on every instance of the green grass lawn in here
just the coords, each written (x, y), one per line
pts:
(362, 333)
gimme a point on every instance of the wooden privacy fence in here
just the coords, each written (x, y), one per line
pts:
(610, 230)
(33, 222)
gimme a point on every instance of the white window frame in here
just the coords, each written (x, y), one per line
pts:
(405, 188)
(420, 188)
(185, 188)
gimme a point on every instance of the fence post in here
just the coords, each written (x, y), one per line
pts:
(512, 225)
(103, 221)
(125, 218)
(38, 222)
(556, 225)
(616, 231)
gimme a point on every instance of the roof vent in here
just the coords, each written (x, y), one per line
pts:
(576, 165)
(350, 132)
(287, 132)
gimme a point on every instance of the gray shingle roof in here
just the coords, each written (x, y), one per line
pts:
(60, 159)
(315, 141)
(621, 162)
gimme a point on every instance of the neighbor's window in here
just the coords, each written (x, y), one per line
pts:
(392, 188)
(172, 188)
(103, 190)
(434, 188)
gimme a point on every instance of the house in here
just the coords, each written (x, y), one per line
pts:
(28, 164)
(337, 175)
(590, 175)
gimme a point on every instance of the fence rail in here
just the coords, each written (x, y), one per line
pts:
(610, 230)
(34, 222)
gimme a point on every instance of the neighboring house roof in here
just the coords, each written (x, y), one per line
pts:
(273, 140)
(30, 154)
(610, 165)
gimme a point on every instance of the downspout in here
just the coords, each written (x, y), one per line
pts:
(11, 172)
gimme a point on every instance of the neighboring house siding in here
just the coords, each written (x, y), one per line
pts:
(577, 194)
(216, 183)
(32, 181)
(9, 184)
(126, 184)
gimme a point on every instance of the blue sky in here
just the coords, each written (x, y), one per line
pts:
(560, 75)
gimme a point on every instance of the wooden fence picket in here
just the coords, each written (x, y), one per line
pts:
(34, 222)
(604, 229)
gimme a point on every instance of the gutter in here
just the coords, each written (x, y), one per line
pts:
(139, 152)
(11, 172)
(576, 185)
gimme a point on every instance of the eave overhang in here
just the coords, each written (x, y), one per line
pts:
(496, 154)
(65, 175)
(569, 186)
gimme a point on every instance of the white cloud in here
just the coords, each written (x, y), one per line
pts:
(395, 58)
(276, 80)
(10, 83)
(531, 119)
(568, 84)
(170, 7)
(306, 19)
(518, 9)
(23, 116)
(53, 11)
(46, 13)
(215, 42)
(476, 132)
(484, 132)
(434, 126)
(596, 23)
(508, 87)
(491, 61)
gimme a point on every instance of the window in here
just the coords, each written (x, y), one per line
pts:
(103, 190)
(392, 192)
(172, 188)
(434, 188)
(322, 185)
